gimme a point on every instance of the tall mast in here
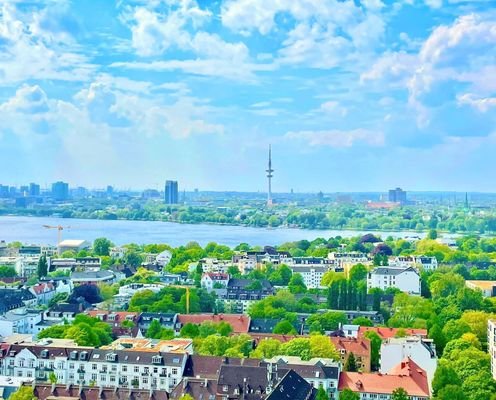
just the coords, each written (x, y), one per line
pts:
(269, 178)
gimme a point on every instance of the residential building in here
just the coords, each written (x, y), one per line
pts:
(25, 266)
(73, 245)
(163, 258)
(76, 365)
(171, 192)
(63, 311)
(74, 264)
(263, 325)
(44, 292)
(405, 279)
(212, 280)
(359, 347)
(491, 344)
(386, 333)
(11, 299)
(488, 288)
(167, 320)
(210, 264)
(374, 316)
(48, 391)
(239, 323)
(312, 275)
(407, 375)
(397, 196)
(117, 252)
(241, 293)
(92, 277)
(421, 351)
(318, 372)
(60, 191)
(114, 318)
(20, 320)
(179, 346)
(426, 263)
(62, 284)
(126, 292)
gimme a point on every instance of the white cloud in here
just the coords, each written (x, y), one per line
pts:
(338, 138)
(208, 67)
(395, 67)
(483, 104)
(29, 50)
(324, 34)
(333, 107)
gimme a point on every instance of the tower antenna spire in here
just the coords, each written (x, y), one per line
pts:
(269, 171)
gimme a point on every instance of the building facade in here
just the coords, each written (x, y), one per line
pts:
(171, 192)
(405, 279)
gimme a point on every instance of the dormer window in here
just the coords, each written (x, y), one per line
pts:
(84, 355)
(73, 355)
(44, 353)
(157, 359)
(111, 357)
(111, 317)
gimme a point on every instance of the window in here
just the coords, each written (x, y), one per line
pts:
(145, 379)
(112, 378)
(174, 371)
(93, 366)
(155, 370)
(136, 368)
(94, 377)
(124, 368)
(103, 378)
(29, 374)
(21, 362)
(147, 370)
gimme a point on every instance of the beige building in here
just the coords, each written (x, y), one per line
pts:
(488, 288)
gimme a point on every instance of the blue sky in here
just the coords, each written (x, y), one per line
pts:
(355, 95)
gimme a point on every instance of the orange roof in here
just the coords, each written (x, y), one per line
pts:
(40, 288)
(240, 323)
(483, 285)
(359, 347)
(386, 333)
(406, 375)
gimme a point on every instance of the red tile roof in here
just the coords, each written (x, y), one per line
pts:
(240, 323)
(407, 375)
(120, 315)
(41, 288)
(359, 347)
(386, 333)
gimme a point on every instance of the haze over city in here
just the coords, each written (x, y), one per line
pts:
(353, 96)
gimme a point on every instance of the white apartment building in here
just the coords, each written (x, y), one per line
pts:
(491, 343)
(426, 263)
(151, 370)
(209, 279)
(25, 266)
(405, 279)
(312, 275)
(20, 321)
(210, 264)
(421, 351)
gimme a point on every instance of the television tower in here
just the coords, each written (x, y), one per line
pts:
(269, 171)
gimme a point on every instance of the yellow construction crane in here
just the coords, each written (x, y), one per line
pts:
(59, 231)
(187, 294)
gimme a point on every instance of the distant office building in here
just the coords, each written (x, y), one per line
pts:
(34, 189)
(397, 196)
(4, 191)
(60, 191)
(110, 190)
(171, 192)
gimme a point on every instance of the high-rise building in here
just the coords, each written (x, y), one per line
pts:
(34, 189)
(171, 192)
(269, 171)
(60, 191)
(397, 196)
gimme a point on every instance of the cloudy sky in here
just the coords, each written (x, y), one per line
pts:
(353, 95)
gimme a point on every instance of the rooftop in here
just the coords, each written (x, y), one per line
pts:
(386, 333)
(240, 323)
(407, 375)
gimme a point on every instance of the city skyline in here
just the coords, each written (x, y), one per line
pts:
(354, 95)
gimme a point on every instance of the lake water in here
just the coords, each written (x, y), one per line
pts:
(30, 230)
